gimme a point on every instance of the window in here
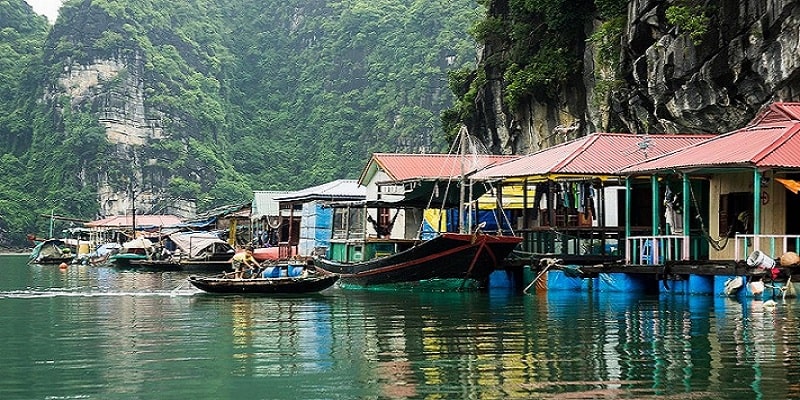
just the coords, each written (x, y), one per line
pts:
(384, 217)
(735, 213)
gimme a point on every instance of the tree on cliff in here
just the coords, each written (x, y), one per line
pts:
(552, 70)
(167, 106)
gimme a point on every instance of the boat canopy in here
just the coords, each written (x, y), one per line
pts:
(47, 248)
(106, 249)
(196, 243)
(138, 243)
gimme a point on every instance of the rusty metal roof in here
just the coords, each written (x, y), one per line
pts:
(405, 167)
(594, 154)
(144, 220)
(771, 140)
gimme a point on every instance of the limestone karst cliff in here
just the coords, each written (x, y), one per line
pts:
(677, 67)
(205, 100)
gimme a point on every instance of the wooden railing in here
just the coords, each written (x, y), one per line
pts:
(771, 245)
(656, 249)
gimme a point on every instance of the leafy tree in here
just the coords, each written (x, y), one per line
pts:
(249, 94)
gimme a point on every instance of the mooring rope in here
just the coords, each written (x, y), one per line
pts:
(550, 262)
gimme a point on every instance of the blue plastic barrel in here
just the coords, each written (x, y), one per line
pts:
(271, 272)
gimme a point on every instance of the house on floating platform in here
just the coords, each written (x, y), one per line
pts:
(407, 191)
(310, 218)
(229, 222)
(748, 207)
(266, 217)
(122, 228)
(569, 202)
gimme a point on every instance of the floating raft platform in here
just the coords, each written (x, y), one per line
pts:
(613, 275)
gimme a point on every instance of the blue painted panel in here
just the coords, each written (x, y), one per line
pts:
(625, 283)
(501, 279)
(558, 280)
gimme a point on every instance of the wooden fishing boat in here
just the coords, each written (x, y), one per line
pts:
(134, 250)
(193, 251)
(391, 238)
(447, 256)
(51, 251)
(306, 283)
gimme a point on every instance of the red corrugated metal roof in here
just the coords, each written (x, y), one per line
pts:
(532, 164)
(594, 154)
(772, 140)
(777, 113)
(401, 167)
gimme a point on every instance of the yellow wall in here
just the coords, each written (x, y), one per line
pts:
(773, 214)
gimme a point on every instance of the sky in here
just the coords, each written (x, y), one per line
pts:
(47, 7)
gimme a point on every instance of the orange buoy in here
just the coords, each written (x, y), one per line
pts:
(63, 265)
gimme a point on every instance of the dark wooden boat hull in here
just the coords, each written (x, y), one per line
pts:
(297, 285)
(448, 256)
(53, 260)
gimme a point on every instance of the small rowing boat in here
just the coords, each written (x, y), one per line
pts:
(306, 283)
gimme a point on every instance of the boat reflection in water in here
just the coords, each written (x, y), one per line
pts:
(88, 323)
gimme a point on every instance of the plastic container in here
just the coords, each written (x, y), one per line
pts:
(271, 272)
(760, 260)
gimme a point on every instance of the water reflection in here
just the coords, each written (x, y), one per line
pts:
(102, 333)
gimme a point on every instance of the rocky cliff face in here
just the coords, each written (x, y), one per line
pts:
(747, 58)
(113, 89)
(666, 81)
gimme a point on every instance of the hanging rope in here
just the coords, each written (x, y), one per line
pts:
(487, 188)
(436, 183)
(716, 244)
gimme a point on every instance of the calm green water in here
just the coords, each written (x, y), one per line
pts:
(99, 333)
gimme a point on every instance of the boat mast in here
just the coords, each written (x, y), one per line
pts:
(52, 217)
(463, 137)
(133, 211)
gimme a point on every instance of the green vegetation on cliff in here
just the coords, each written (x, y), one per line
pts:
(536, 48)
(249, 95)
(21, 36)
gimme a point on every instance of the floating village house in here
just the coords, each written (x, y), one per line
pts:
(310, 217)
(410, 193)
(574, 201)
(749, 201)
(230, 222)
(408, 198)
(267, 219)
(121, 228)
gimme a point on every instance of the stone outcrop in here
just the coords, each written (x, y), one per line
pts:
(666, 82)
(114, 91)
(746, 59)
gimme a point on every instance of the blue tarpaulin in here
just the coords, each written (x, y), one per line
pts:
(489, 217)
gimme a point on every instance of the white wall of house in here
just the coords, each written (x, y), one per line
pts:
(612, 195)
(386, 193)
